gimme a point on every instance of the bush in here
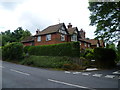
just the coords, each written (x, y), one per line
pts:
(70, 49)
(46, 61)
(12, 51)
(26, 49)
(105, 58)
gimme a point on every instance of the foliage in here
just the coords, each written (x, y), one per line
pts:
(105, 15)
(104, 57)
(26, 49)
(70, 49)
(46, 61)
(12, 51)
(16, 36)
(118, 51)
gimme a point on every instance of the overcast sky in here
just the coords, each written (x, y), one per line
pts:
(33, 14)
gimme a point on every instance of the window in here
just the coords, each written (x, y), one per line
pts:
(62, 30)
(62, 37)
(39, 38)
(48, 37)
(97, 45)
(88, 45)
(74, 37)
(85, 44)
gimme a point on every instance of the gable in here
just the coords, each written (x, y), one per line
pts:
(62, 30)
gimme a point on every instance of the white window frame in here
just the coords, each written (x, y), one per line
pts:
(74, 37)
(62, 37)
(88, 45)
(38, 38)
(85, 44)
(48, 37)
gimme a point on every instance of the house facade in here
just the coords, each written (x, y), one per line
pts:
(59, 33)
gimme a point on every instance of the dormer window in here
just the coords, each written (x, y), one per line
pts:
(48, 37)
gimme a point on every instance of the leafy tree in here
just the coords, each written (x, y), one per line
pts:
(106, 17)
(118, 48)
(16, 36)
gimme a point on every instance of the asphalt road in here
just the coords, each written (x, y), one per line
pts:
(19, 76)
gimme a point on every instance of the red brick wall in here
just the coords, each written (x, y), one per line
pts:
(82, 46)
(55, 38)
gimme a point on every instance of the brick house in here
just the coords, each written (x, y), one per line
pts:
(58, 33)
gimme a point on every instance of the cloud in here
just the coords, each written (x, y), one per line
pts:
(33, 14)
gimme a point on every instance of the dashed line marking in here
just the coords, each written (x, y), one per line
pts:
(97, 75)
(67, 72)
(86, 74)
(76, 72)
(20, 72)
(110, 76)
(69, 84)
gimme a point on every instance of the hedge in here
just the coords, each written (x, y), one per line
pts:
(71, 49)
(105, 58)
(12, 51)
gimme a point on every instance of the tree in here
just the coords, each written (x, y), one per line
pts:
(16, 36)
(106, 17)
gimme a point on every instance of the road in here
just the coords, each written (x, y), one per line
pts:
(20, 76)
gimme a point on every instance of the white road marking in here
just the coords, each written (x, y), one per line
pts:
(76, 72)
(116, 72)
(67, 72)
(86, 73)
(97, 75)
(110, 76)
(2, 67)
(69, 84)
(20, 72)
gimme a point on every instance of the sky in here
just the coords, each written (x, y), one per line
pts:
(39, 14)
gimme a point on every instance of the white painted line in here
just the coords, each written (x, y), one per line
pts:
(76, 72)
(2, 67)
(91, 69)
(110, 76)
(20, 72)
(67, 72)
(117, 72)
(97, 75)
(86, 73)
(69, 84)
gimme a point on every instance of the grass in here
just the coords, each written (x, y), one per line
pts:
(46, 61)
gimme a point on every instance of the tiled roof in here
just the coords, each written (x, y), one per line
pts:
(93, 41)
(28, 39)
(71, 30)
(50, 29)
(84, 40)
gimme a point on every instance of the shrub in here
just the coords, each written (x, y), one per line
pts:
(46, 61)
(105, 58)
(26, 48)
(12, 51)
(70, 49)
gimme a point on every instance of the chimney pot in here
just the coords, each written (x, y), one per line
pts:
(69, 25)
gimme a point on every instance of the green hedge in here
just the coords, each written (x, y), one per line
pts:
(71, 49)
(26, 49)
(105, 58)
(12, 51)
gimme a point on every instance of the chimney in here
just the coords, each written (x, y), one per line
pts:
(37, 31)
(69, 25)
(82, 34)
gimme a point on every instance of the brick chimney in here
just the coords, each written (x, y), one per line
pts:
(69, 25)
(82, 34)
(37, 31)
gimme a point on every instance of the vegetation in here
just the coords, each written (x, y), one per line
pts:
(105, 58)
(70, 49)
(118, 51)
(105, 15)
(16, 36)
(12, 51)
(49, 62)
